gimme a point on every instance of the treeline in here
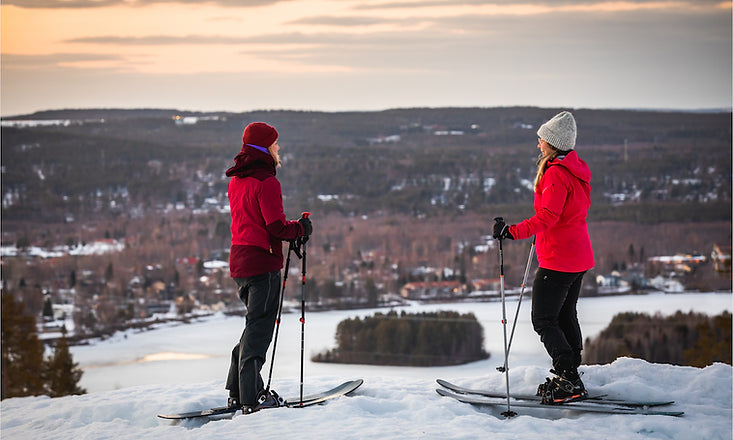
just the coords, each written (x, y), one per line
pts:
(52, 173)
(414, 339)
(682, 339)
(25, 371)
(139, 161)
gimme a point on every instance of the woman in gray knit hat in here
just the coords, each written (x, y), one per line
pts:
(564, 252)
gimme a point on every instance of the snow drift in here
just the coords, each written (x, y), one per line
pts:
(393, 408)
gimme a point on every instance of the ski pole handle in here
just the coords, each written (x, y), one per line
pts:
(307, 227)
(500, 229)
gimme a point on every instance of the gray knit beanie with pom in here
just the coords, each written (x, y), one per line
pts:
(560, 131)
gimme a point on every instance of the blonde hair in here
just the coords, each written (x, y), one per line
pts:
(275, 156)
(542, 164)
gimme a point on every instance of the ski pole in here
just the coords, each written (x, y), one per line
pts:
(302, 314)
(508, 412)
(519, 303)
(279, 316)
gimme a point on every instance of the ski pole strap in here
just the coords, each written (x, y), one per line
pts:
(295, 246)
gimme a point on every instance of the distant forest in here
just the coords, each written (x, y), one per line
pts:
(396, 196)
(449, 338)
(682, 339)
(408, 339)
(647, 167)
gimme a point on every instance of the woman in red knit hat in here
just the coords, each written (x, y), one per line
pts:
(258, 228)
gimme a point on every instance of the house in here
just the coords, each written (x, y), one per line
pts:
(721, 257)
(667, 285)
(612, 283)
(431, 289)
(486, 285)
(679, 262)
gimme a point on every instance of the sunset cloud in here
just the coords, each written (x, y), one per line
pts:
(79, 4)
(424, 52)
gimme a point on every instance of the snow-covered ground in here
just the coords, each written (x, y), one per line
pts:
(135, 376)
(96, 248)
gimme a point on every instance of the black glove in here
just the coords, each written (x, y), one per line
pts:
(501, 230)
(307, 226)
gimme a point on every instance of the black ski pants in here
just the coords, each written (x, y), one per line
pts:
(555, 317)
(260, 295)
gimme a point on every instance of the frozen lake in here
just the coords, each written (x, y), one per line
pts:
(199, 352)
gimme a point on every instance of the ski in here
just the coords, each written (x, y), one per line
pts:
(293, 402)
(213, 412)
(314, 399)
(598, 398)
(583, 406)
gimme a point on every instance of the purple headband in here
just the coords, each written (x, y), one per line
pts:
(264, 150)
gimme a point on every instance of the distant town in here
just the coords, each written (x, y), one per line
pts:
(114, 219)
(148, 300)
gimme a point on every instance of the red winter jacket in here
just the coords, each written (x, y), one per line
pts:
(561, 203)
(258, 221)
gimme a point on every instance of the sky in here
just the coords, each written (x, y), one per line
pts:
(344, 55)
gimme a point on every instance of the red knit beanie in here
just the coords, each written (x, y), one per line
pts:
(259, 134)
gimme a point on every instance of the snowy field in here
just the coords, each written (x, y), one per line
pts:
(136, 375)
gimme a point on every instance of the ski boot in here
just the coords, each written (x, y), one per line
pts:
(265, 399)
(563, 388)
(233, 402)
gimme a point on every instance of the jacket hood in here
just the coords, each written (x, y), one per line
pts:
(251, 161)
(573, 163)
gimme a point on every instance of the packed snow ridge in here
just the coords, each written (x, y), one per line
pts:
(392, 408)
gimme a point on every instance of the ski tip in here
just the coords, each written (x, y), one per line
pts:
(443, 392)
(444, 383)
(356, 383)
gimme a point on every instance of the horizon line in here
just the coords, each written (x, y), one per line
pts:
(294, 110)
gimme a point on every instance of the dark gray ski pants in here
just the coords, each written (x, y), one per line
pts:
(261, 295)
(555, 318)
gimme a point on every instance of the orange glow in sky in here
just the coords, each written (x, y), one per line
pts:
(329, 41)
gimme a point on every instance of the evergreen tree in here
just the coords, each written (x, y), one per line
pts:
(63, 374)
(713, 343)
(372, 293)
(48, 309)
(222, 231)
(22, 352)
(109, 273)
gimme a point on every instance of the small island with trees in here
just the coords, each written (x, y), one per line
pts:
(693, 339)
(408, 339)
